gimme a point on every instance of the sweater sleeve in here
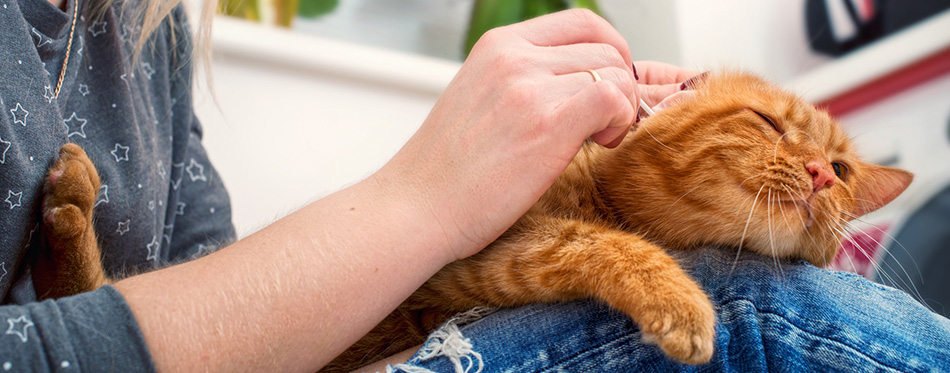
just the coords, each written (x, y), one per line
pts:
(199, 207)
(93, 331)
(202, 209)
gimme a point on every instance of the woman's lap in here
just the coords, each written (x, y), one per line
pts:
(771, 316)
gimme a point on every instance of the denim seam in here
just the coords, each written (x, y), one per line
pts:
(802, 329)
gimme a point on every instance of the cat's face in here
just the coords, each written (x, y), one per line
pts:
(741, 162)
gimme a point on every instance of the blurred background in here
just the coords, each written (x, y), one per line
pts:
(313, 95)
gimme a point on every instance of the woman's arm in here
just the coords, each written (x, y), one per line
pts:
(295, 294)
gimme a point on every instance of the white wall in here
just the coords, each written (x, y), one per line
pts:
(301, 117)
(767, 37)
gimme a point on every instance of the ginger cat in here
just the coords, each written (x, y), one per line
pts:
(735, 162)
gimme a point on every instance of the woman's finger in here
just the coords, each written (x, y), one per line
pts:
(600, 111)
(569, 84)
(565, 59)
(572, 26)
(653, 94)
(658, 73)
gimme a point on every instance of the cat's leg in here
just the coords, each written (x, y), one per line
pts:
(69, 262)
(551, 260)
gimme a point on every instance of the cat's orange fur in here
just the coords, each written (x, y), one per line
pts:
(71, 263)
(711, 170)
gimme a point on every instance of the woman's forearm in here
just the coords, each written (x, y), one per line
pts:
(294, 294)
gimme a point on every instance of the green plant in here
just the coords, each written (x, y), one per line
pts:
(247, 9)
(284, 10)
(316, 8)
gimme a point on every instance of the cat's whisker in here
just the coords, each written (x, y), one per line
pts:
(850, 215)
(846, 234)
(879, 270)
(737, 212)
(857, 200)
(908, 284)
(811, 237)
(892, 238)
(781, 207)
(800, 194)
(771, 236)
(746, 229)
(655, 139)
(681, 197)
(752, 177)
(843, 235)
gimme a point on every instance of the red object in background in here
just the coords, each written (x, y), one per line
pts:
(859, 250)
(891, 84)
(867, 9)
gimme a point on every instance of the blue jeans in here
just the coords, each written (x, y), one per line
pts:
(771, 316)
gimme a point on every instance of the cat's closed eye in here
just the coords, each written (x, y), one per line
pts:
(769, 121)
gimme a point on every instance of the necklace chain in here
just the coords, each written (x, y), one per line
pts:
(69, 46)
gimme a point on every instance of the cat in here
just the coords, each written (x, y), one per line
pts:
(734, 161)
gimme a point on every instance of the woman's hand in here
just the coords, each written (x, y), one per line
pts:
(514, 117)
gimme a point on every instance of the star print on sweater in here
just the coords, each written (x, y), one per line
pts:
(75, 126)
(121, 153)
(18, 327)
(19, 114)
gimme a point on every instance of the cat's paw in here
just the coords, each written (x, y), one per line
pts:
(683, 326)
(72, 187)
(70, 262)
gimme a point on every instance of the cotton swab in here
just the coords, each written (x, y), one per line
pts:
(646, 108)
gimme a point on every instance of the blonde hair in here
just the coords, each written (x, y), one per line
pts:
(151, 13)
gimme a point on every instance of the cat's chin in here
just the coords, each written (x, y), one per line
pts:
(803, 209)
(812, 245)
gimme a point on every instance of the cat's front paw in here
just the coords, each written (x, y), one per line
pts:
(70, 262)
(683, 326)
(72, 187)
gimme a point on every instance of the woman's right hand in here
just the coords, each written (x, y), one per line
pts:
(511, 121)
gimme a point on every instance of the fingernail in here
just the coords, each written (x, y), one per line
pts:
(635, 76)
(691, 82)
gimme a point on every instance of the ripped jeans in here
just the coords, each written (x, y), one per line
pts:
(771, 316)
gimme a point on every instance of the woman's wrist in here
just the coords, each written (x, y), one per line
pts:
(413, 204)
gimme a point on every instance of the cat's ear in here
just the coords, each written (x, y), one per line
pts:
(877, 186)
(673, 99)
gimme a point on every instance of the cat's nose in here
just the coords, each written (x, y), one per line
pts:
(821, 175)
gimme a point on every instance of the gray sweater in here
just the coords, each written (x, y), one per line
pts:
(161, 201)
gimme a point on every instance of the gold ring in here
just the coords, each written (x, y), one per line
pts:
(595, 75)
